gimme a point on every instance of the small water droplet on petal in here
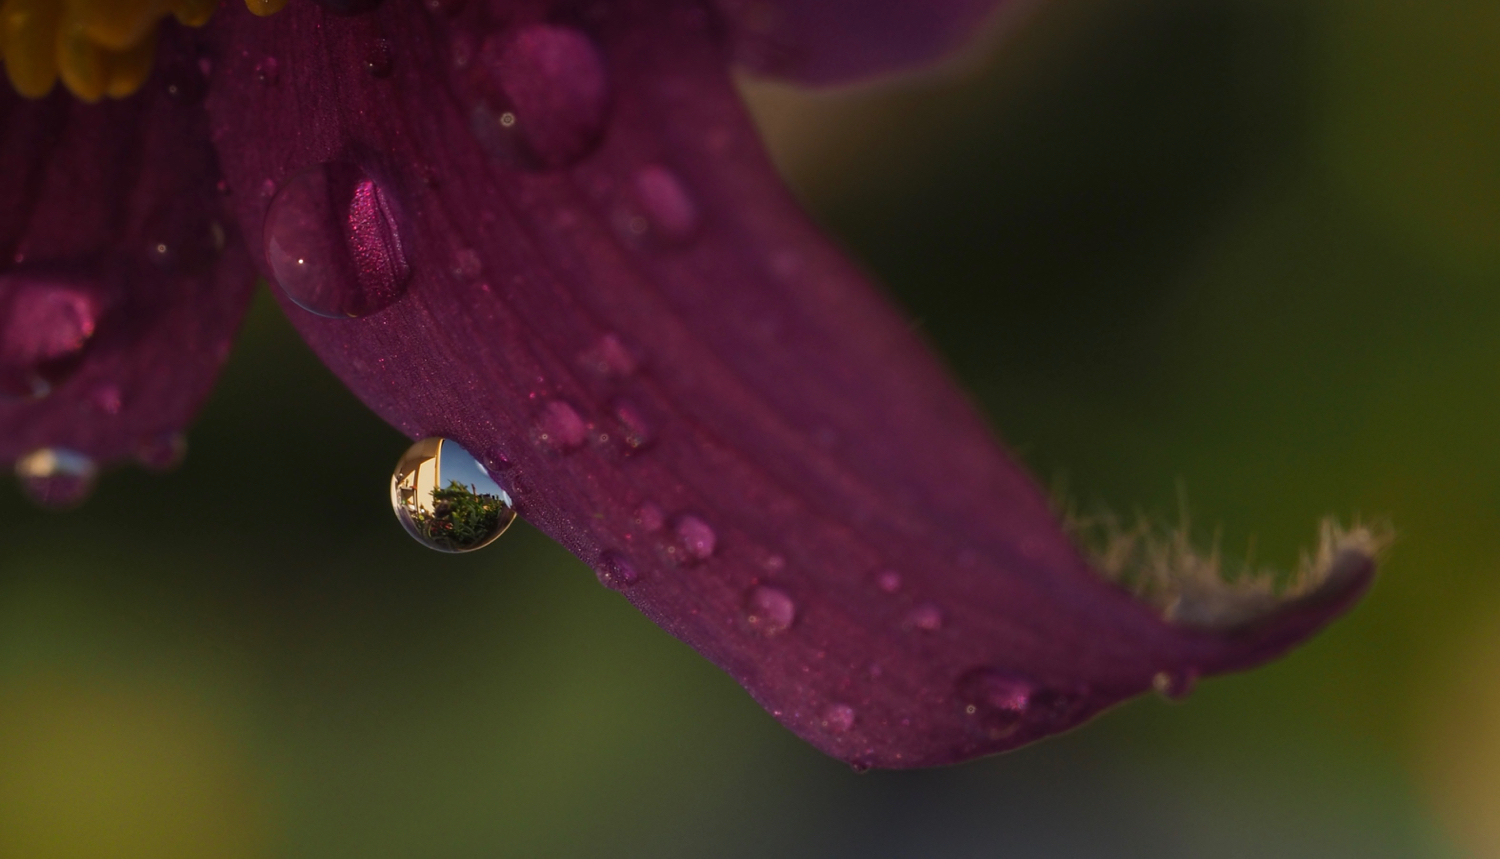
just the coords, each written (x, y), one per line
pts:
(467, 264)
(650, 517)
(696, 539)
(770, 611)
(56, 478)
(560, 427)
(635, 430)
(446, 499)
(995, 702)
(335, 241)
(616, 573)
(610, 358)
(108, 399)
(46, 324)
(888, 581)
(541, 96)
(838, 718)
(670, 209)
(925, 617)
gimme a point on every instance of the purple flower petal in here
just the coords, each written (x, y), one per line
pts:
(836, 41)
(121, 284)
(676, 377)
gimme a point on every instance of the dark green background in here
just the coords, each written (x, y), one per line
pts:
(1250, 247)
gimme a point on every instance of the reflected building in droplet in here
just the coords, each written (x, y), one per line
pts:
(446, 499)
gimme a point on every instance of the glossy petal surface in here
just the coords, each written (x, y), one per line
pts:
(121, 283)
(674, 375)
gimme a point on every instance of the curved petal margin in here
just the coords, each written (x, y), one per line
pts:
(675, 376)
(121, 283)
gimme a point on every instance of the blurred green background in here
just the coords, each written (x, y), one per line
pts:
(1248, 245)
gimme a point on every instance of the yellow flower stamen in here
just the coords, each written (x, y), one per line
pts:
(97, 47)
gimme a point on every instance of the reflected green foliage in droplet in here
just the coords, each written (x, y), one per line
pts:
(461, 518)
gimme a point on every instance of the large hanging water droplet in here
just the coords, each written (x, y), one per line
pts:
(46, 325)
(541, 96)
(56, 478)
(446, 499)
(336, 242)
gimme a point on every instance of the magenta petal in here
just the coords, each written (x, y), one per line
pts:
(121, 284)
(834, 41)
(677, 378)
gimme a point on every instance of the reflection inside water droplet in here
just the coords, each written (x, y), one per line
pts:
(56, 478)
(336, 242)
(838, 718)
(995, 702)
(446, 499)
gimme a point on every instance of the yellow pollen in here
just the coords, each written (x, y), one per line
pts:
(97, 47)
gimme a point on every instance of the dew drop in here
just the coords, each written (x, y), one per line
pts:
(107, 398)
(560, 428)
(541, 96)
(56, 478)
(670, 209)
(925, 617)
(267, 71)
(446, 499)
(650, 517)
(466, 264)
(335, 242)
(46, 325)
(610, 358)
(1175, 685)
(838, 718)
(635, 430)
(995, 702)
(888, 581)
(696, 539)
(770, 611)
(616, 573)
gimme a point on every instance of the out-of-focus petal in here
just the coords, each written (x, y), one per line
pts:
(676, 376)
(121, 283)
(837, 41)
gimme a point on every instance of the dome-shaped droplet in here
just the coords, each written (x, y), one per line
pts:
(695, 538)
(46, 324)
(268, 70)
(995, 702)
(671, 213)
(888, 581)
(838, 718)
(925, 617)
(446, 499)
(770, 611)
(616, 573)
(636, 432)
(56, 478)
(336, 242)
(560, 428)
(541, 96)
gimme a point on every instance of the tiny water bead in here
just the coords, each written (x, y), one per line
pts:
(336, 242)
(560, 428)
(56, 478)
(541, 96)
(46, 324)
(770, 611)
(838, 718)
(925, 617)
(446, 499)
(695, 538)
(995, 702)
(616, 573)
(669, 208)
